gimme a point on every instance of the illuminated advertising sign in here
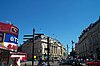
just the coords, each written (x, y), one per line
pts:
(8, 36)
(11, 39)
(8, 28)
(11, 42)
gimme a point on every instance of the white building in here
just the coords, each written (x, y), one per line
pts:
(57, 50)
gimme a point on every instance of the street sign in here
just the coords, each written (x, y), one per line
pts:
(28, 35)
(32, 35)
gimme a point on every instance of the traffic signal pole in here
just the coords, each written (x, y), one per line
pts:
(33, 38)
(48, 47)
(33, 48)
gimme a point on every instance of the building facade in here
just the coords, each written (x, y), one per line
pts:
(57, 50)
(9, 44)
(89, 41)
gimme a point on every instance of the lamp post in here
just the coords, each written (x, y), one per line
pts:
(73, 52)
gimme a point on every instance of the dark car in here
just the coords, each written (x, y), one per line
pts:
(76, 63)
(71, 62)
(63, 62)
(81, 63)
(68, 62)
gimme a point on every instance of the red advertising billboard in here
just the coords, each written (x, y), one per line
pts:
(8, 36)
(8, 28)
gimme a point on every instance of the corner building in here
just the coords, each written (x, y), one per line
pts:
(88, 45)
(9, 45)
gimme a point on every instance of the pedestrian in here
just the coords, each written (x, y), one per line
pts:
(25, 64)
(52, 60)
(15, 62)
(40, 61)
(43, 64)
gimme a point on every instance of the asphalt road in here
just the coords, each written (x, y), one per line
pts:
(29, 63)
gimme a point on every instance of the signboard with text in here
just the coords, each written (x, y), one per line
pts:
(10, 42)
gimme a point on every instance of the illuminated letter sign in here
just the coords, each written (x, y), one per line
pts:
(11, 42)
(14, 30)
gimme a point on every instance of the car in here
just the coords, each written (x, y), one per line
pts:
(76, 63)
(68, 62)
(81, 63)
(93, 62)
(63, 62)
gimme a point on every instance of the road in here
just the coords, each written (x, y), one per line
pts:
(29, 63)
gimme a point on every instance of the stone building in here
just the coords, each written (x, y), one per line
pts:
(57, 50)
(89, 41)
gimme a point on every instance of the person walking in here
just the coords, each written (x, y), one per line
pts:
(40, 61)
(25, 64)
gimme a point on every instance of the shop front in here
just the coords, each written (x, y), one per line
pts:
(4, 57)
(8, 58)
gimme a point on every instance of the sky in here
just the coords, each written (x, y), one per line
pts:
(63, 20)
